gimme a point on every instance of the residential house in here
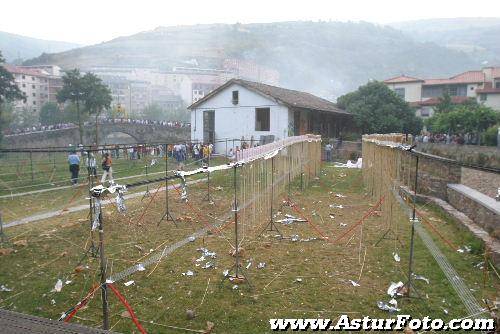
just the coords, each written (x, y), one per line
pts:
(261, 113)
(424, 94)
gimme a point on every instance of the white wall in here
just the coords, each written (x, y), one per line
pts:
(235, 121)
(413, 90)
(492, 101)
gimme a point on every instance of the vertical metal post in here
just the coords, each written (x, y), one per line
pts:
(31, 164)
(412, 237)
(235, 208)
(3, 237)
(272, 191)
(166, 181)
(104, 288)
(227, 158)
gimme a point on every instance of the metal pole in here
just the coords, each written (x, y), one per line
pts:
(226, 150)
(166, 180)
(208, 179)
(2, 235)
(104, 288)
(272, 190)
(31, 164)
(236, 223)
(413, 220)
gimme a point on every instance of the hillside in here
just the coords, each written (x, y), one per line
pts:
(326, 58)
(15, 46)
(478, 37)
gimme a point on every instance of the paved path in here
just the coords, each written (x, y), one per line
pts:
(45, 215)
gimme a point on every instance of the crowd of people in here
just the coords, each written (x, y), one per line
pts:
(444, 138)
(38, 128)
(42, 128)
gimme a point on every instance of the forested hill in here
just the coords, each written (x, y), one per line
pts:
(16, 47)
(325, 58)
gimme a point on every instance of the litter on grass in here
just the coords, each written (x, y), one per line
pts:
(387, 307)
(129, 283)
(354, 283)
(188, 273)
(58, 286)
(261, 265)
(421, 278)
(396, 257)
(350, 164)
(336, 206)
(340, 196)
(395, 289)
(3, 288)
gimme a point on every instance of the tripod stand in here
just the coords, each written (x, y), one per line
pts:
(271, 225)
(236, 267)
(167, 216)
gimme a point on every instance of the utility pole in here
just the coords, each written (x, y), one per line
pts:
(104, 288)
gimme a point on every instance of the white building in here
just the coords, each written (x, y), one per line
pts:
(258, 113)
(482, 85)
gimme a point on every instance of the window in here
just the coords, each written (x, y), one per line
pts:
(34, 102)
(236, 98)
(24, 85)
(33, 86)
(262, 119)
(497, 84)
(400, 92)
(24, 77)
(34, 94)
(483, 97)
(33, 78)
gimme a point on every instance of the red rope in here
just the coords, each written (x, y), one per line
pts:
(309, 221)
(359, 222)
(82, 303)
(149, 203)
(424, 219)
(200, 217)
(129, 309)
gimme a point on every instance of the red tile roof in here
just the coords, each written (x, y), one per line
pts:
(402, 79)
(462, 78)
(435, 101)
(488, 89)
(495, 72)
(24, 70)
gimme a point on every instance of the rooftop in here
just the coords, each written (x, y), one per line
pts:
(402, 79)
(462, 78)
(288, 97)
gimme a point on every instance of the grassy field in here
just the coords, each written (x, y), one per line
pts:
(302, 279)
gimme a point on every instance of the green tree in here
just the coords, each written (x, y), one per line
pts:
(97, 97)
(377, 109)
(73, 90)
(8, 92)
(50, 114)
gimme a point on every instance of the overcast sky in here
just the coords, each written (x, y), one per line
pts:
(94, 21)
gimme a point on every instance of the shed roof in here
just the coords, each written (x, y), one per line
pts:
(288, 97)
(20, 323)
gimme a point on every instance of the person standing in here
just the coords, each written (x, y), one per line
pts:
(328, 152)
(108, 169)
(74, 167)
(91, 164)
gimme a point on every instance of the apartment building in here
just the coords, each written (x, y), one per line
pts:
(424, 94)
(39, 83)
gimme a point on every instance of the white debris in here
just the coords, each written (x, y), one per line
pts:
(206, 253)
(295, 237)
(394, 288)
(140, 267)
(386, 307)
(350, 164)
(201, 259)
(261, 265)
(336, 206)
(58, 286)
(396, 257)
(129, 283)
(191, 239)
(225, 273)
(67, 282)
(445, 311)
(53, 302)
(188, 273)
(160, 298)
(343, 224)
(421, 278)
(354, 283)
(108, 281)
(248, 265)
(3, 288)
(298, 279)
(332, 216)
(340, 196)
(235, 287)
(208, 265)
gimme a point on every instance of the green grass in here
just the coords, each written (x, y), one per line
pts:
(325, 267)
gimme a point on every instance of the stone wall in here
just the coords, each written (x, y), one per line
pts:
(488, 156)
(434, 177)
(482, 209)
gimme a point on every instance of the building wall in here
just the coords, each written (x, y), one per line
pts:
(413, 90)
(236, 121)
(492, 101)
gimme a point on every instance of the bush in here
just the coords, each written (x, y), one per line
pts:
(490, 136)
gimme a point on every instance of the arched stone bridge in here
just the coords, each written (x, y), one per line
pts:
(141, 133)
